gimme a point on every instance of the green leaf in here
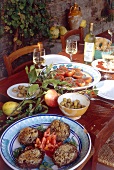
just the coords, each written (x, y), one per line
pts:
(29, 16)
(26, 69)
(33, 89)
(53, 82)
(17, 152)
(1, 112)
(32, 67)
(30, 2)
(27, 102)
(22, 26)
(21, 6)
(32, 76)
(11, 31)
(13, 1)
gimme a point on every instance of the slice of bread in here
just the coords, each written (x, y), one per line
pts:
(65, 154)
(30, 158)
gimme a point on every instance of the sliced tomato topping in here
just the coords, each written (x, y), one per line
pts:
(78, 75)
(101, 67)
(70, 73)
(74, 84)
(59, 77)
(48, 142)
(87, 80)
(61, 72)
(100, 62)
(47, 132)
(68, 79)
(80, 82)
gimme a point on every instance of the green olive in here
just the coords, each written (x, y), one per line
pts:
(71, 104)
(64, 99)
(69, 100)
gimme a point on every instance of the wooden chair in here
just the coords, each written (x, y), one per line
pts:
(19, 59)
(79, 32)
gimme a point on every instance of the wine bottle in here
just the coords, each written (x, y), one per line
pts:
(89, 45)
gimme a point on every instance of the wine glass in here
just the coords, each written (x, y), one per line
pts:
(38, 57)
(111, 32)
(108, 56)
(71, 47)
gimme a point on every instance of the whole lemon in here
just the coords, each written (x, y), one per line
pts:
(83, 23)
(63, 30)
(54, 31)
(9, 107)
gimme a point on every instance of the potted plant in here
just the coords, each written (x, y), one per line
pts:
(26, 20)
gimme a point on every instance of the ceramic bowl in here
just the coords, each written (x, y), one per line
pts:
(98, 53)
(74, 113)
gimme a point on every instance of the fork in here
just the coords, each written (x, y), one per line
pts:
(93, 98)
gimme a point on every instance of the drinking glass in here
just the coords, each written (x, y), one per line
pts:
(108, 56)
(38, 57)
(71, 47)
(111, 32)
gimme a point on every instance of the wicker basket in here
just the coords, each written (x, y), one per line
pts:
(106, 153)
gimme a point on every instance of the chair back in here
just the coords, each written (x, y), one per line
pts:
(79, 32)
(12, 61)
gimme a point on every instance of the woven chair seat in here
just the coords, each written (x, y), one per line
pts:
(106, 153)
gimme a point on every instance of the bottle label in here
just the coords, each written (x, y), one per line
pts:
(89, 52)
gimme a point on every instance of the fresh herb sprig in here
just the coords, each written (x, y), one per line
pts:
(40, 81)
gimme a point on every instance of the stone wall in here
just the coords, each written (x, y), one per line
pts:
(58, 9)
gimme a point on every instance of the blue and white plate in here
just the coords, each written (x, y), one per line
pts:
(9, 140)
(88, 70)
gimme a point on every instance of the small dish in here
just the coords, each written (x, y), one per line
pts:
(74, 113)
(100, 65)
(14, 94)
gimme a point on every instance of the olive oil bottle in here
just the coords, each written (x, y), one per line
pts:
(89, 46)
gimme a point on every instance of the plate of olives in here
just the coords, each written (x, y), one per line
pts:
(19, 91)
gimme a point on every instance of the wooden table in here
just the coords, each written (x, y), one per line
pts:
(98, 120)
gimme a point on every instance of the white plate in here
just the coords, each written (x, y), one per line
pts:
(55, 59)
(106, 89)
(13, 94)
(9, 140)
(95, 65)
(94, 73)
